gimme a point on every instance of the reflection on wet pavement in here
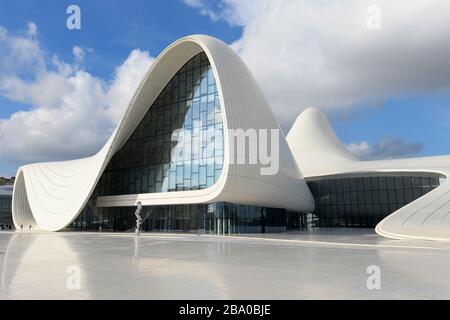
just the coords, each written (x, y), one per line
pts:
(321, 265)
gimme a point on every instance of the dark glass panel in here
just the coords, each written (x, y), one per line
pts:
(364, 201)
(383, 183)
(390, 182)
(398, 182)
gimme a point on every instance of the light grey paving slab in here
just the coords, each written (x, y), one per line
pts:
(326, 264)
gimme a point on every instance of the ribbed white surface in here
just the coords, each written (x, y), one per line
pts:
(319, 153)
(50, 196)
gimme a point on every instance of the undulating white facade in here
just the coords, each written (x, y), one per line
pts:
(49, 196)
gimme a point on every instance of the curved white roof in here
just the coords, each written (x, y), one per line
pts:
(50, 196)
(319, 153)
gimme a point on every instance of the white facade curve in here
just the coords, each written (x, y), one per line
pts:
(321, 155)
(49, 196)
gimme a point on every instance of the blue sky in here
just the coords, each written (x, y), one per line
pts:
(417, 118)
(370, 107)
(112, 28)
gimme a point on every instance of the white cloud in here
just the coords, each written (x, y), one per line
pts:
(70, 112)
(359, 149)
(78, 53)
(320, 53)
(204, 8)
(32, 29)
(126, 79)
(20, 54)
(388, 148)
(235, 12)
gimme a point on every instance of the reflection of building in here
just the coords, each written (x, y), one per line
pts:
(6, 221)
(173, 152)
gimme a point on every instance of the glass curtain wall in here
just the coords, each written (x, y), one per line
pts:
(179, 143)
(365, 201)
(214, 218)
(6, 221)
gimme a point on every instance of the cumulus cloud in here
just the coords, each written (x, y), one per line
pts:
(70, 113)
(321, 53)
(126, 79)
(388, 148)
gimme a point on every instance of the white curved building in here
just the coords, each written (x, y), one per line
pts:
(404, 198)
(175, 151)
(200, 87)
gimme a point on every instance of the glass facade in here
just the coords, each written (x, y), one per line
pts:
(365, 201)
(179, 143)
(6, 212)
(214, 218)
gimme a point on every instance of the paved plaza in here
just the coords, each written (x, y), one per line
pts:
(329, 264)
